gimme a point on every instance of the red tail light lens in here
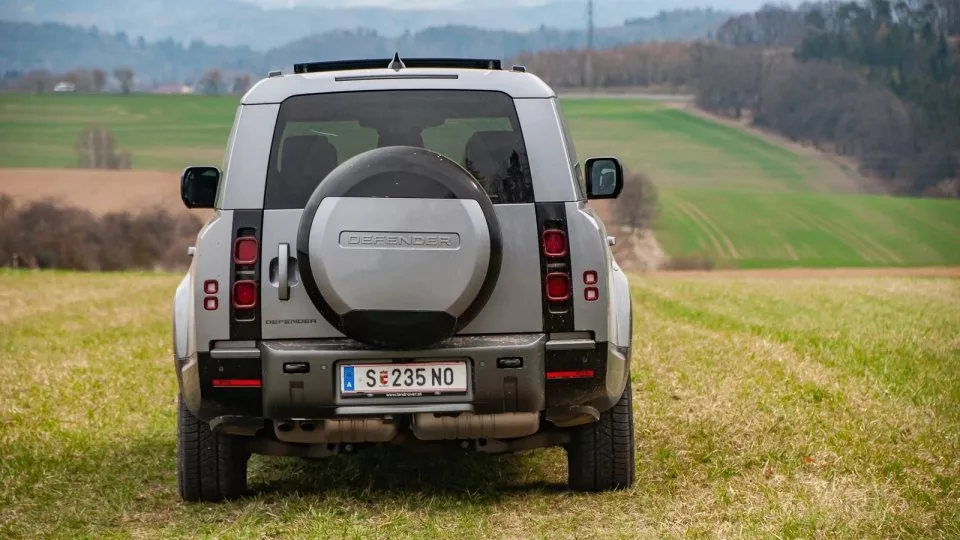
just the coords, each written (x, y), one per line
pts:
(244, 294)
(245, 250)
(236, 383)
(576, 374)
(558, 286)
(554, 243)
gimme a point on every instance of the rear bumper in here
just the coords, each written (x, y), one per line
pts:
(312, 391)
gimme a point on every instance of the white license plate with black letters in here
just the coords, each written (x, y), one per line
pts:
(403, 380)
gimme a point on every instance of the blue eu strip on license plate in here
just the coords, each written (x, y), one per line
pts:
(348, 385)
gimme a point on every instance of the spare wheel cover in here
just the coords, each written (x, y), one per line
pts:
(399, 247)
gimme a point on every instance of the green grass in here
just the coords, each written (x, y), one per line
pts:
(743, 201)
(764, 408)
(727, 195)
(162, 132)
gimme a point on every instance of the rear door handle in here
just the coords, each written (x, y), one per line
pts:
(283, 272)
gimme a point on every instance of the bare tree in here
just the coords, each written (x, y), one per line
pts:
(636, 208)
(124, 76)
(241, 83)
(99, 77)
(97, 149)
(212, 81)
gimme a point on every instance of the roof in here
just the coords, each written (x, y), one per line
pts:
(514, 83)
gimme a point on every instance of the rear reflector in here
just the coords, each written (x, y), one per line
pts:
(245, 250)
(244, 294)
(590, 277)
(578, 374)
(554, 243)
(591, 294)
(210, 303)
(236, 383)
(211, 286)
(558, 286)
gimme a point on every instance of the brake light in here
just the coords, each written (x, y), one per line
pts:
(245, 294)
(245, 250)
(554, 243)
(558, 286)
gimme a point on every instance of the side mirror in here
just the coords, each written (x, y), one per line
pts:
(604, 178)
(198, 186)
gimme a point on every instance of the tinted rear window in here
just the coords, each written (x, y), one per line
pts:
(317, 132)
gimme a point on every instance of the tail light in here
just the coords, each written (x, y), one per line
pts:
(554, 243)
(245, 250)
(245, 294)
(558, 286)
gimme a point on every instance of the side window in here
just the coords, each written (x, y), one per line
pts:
(572, 156)
(226, 155)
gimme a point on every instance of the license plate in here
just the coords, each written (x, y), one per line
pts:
(403, 380)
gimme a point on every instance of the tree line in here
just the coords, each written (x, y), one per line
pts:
(92, 81)
(878, 81)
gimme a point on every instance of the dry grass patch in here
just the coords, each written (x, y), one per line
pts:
(798, 408)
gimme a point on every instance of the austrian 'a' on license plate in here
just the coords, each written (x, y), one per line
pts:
(403, 380)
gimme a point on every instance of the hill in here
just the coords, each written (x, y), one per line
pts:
(241, 23)
(728, 196)
(739, 200)
(58, 48)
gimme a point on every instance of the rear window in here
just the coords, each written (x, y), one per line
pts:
(477, 129)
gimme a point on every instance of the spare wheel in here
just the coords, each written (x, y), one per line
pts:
(399, 247)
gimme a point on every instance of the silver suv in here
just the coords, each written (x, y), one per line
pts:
(402, 253)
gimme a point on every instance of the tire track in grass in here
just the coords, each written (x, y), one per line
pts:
(731, 249)
(718, 248)
(817, 223)
(850, 236)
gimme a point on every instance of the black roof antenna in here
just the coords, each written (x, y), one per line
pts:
(396, 64)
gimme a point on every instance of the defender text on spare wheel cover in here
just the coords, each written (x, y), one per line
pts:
(371, 228)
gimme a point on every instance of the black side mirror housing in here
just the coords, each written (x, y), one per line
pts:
(198, 186)
(604, 177)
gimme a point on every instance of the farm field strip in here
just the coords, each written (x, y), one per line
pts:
(727, 195)
(787, 407)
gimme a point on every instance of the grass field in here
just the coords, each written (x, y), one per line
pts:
(788, 408)
(727, 195)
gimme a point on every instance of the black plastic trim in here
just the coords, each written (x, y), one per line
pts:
(413, 173)
(571, 392)
(406, 329)
(249, 326)
(378, 63)
(216, 401)
(557, 316)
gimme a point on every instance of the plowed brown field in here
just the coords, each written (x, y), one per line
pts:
(98, 191)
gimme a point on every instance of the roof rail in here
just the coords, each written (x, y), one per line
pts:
(397, 64)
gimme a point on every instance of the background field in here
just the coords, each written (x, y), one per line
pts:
(738, 199)
(793, 408)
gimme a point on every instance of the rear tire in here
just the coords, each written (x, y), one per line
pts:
(210, 467)
(601, 456)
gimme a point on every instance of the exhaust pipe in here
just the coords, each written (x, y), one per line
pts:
(284, 427)
(308, 425)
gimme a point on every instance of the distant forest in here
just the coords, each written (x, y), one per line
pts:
(57, 48)
(877, 81)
